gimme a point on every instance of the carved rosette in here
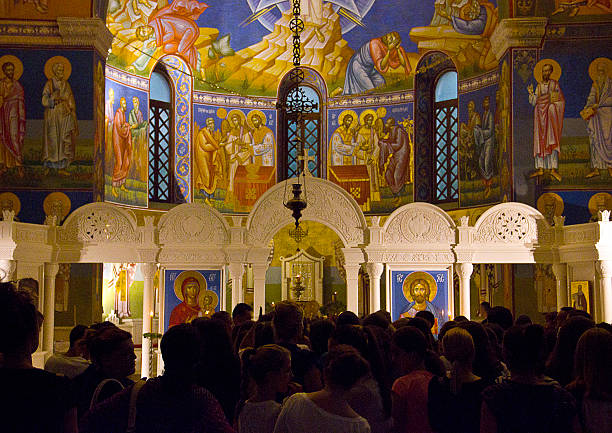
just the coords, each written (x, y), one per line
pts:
(192, 223)
(418, 226)
(98, 223)
(507, 226)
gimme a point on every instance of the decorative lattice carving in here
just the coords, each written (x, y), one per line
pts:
(98, 222)
(418, 226)
(507, 226)
(193, 223)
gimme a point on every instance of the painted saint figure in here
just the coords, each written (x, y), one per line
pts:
(343, 140)
(367, 152)
(208, 160)
(60, 125)
(374, 58)
(598, 116)
(394, 161)
(138, 127)
(420, 292)
(12, 120)
(238, 147)
(484, 138)
(549, 106)
(122, 148)
(189, 309)
(263, 139)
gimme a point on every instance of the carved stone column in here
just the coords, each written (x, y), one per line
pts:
(236, 271)
(49, 306)
(259, 287)
(464, 271)
(604, 268)
(560, 271)
(375, 270)
(7, 270)
(352, 286)
(148, 310)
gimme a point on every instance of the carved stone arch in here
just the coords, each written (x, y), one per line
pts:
(419, 223)
(99, 223)
(510, 223)
(327, 204)
(193, 223)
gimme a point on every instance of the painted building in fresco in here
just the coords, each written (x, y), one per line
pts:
(461, 103)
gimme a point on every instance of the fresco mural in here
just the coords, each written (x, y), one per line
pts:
(99, 133)
(45, 9)
(577, 207)
(371, 155)
(191, 294)
(234, 157)
(564, 113)
(125, 144)
(357, 46)
(417, 290)
(46, 136)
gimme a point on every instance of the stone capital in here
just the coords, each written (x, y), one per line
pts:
(148, 270)
(88, 32)
(236, 270)
(517, 33)
(7, 270)
(51, 270)
(464, 270)
(374, 270)
(560, 271)
(604, 268)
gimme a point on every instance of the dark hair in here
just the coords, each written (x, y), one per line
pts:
(180, 350)
(320, 331)
(461, 318)
(347, 318)
(264, 334)
(266, 359)
(410, 340)
(77, 333)
(447, 326)
(523, 320)
(378, 318)
(351, 335)
(606, 326)
(5, 65)
(287, 321)
(484, 364)
(106, 341)
(523, 348)
(560, 365)
(427, 315)
(19, 321)
(241, 309)
(102, 325)
(345, 366)
(500, 315)
(423, 326)
(592, 362)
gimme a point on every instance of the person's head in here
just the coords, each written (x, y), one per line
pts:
(523, 320)
(500, 315)
(458, 347)
(242, 313)
(423, 325)
(408, 347)
(9, 70)
(486, 103)
(351, 335)
(236, 120)
(224, 318)
(447, 326)
(347, 120)
(368, 120)
(592, 363)
(389, 123)
(561, 362)
(288, 321)
(144, 32)
(210, 124)
(550, 319)
(347, 318)
(180, 351)
(29, 285)
(420, 291)
(428, 316)
(112, 352)
(215, 342)
(484, 359)
(344, 367)
(602, 73)
(378, 318)
(523, 348)
(123, 103)
(190, 288)
(269, 365)
(111, 94)
(136, 103)
(58, 70)
(547, 69)
(256, 119)
(19, 322)
(392, 38)
(471, 106)
(78, 341)
(320, 331)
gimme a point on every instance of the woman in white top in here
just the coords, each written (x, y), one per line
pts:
(327, 411)
(270, 368)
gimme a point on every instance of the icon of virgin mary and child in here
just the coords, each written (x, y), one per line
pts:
(197, 301)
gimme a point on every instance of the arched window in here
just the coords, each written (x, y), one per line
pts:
(300, 129)
(446, 164)
(161, 182)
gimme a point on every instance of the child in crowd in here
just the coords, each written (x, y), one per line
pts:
(269, 367)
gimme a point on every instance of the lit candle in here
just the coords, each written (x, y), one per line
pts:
(151, 314)
(334, 296)
(273, 303)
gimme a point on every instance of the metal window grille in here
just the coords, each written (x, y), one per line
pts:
(446, 166)
(160, 152)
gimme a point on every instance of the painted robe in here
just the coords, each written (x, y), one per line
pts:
(549, 106)
(396, 150)
(367, 153)
(12, 123)
(208, 162)
(263, 146)
(122, 147)
(599, 125)
(484, 137)
(342, 147)
(60, 126)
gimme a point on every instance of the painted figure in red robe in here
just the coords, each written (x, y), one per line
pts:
(122, 147)
(189, 309)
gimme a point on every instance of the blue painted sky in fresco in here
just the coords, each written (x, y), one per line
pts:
(385, 16)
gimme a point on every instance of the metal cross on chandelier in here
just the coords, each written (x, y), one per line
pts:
(298, 104)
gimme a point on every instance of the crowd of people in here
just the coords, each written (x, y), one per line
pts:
(284, 374)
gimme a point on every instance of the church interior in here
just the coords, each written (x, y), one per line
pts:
(458, 151)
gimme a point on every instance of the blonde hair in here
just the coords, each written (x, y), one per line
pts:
(458, 347)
